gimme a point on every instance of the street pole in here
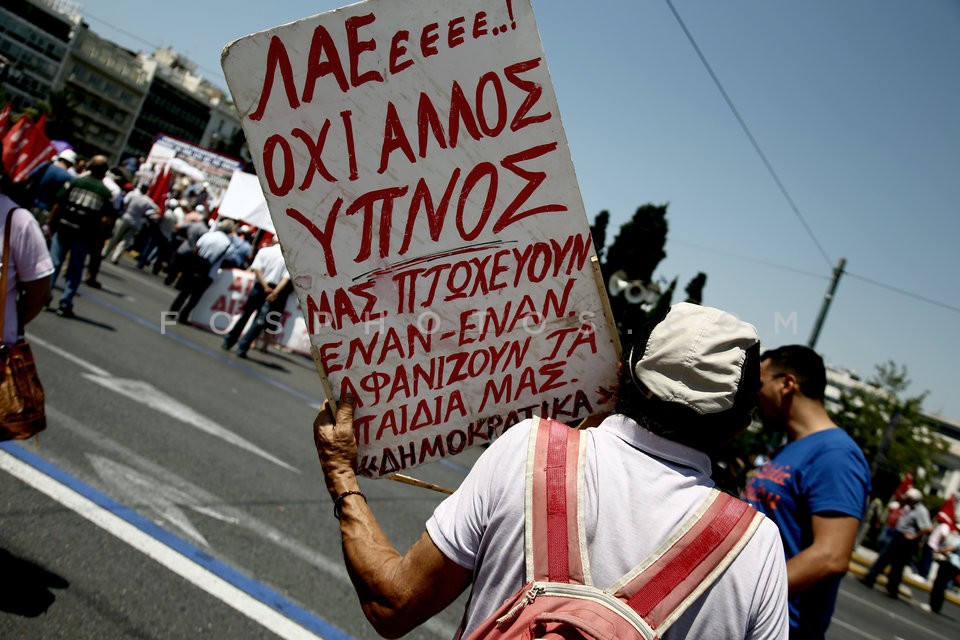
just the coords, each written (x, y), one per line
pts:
(827, 299)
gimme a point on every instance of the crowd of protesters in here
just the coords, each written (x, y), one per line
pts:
(89, 211)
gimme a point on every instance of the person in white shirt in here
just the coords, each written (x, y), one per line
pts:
(687, 389)
(204, 263)
(267, 296)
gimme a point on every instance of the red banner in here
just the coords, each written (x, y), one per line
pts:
(25, 147)
(4, 120)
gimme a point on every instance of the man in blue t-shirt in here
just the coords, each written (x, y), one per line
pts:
(47, 180)
(815, 487)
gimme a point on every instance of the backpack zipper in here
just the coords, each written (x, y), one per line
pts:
(571, 591)
(507, 619)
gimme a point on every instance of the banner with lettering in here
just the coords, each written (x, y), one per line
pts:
(419, 178)
(198, 163)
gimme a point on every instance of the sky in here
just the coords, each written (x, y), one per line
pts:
(854, 109)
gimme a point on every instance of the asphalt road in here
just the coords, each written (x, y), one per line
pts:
(214, 450)
(176, 494)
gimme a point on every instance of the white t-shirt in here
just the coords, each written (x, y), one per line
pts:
(269, 261)
(639, 490)
(29, 259)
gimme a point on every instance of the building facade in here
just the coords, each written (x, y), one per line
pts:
(113, 100)
(35, 37)
(109, 87)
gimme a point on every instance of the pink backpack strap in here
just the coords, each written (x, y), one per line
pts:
(554, 514)
(685, 566)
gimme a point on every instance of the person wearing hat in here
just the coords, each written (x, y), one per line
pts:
(46, 181)
(947, 555)
(942, 526)
(690, 387)
(912, 525)
(815, 487)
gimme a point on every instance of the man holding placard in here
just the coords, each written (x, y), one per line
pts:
(689, 388)
(419, 178)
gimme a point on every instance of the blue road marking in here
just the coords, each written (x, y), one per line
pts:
(248, 585)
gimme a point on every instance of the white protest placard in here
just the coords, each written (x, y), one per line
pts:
(417, 172)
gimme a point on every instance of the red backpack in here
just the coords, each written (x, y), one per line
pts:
(558, 603)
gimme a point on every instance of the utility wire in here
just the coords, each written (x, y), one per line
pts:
(746, 130)
(818, 276)
(780, 185)
(903, 292)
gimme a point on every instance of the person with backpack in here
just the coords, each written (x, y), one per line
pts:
(74, 224)
(559, 531)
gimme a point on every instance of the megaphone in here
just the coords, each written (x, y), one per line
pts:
(633, 291)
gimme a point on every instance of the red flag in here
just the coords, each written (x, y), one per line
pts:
(905, 484)
(25, 147)
(4, 120)
(947, 513)
(160, 187)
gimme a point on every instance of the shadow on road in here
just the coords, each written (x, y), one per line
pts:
(26, 588)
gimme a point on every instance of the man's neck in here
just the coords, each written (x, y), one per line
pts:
(806, 418)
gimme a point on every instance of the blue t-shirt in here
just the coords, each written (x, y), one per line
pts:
(49, 183)
(822, 473)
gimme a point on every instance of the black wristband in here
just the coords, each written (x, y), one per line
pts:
(338, 502)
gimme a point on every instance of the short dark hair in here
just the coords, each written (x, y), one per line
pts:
(804, 364)
(705, 432)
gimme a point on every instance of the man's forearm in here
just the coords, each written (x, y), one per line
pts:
(373, 564)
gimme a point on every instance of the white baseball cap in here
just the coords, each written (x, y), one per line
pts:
(68, 155)
(694, 357)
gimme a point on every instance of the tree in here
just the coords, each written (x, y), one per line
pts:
(890, 429)
(63, 119)
(695, 288)
(639, 245)
(598, 231)
(628, 267)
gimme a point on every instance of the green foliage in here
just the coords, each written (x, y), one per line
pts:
(598, 231)
(61, 108)
(867, 413)
(634, 255)
(695, 288)
(639, 245)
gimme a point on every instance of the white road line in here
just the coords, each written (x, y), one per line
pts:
(179, 564)
(851, 628)
(333, 567)
(89, 366)
(146, 394)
